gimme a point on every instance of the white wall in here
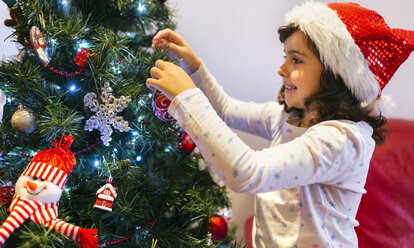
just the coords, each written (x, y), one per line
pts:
(238, 41)
(8, 48)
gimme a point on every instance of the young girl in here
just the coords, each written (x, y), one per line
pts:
(324, 127)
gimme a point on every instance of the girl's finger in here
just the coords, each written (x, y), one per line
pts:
(169, 36)
(159, 43)
(160, 64)
(173, 37)
(155, 72)
(176, 49)
(152, 83)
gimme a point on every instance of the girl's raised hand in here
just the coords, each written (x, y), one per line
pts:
(169, 78)
(178, 49)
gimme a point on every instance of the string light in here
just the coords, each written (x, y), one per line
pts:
(96, 163)
(139, 158)
(64, 2)
(83, 44)
(72, 88)
(141, 7)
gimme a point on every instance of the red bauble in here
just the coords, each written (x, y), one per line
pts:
(185, 142)
(218, 228)
(6, 194)
(160, 104)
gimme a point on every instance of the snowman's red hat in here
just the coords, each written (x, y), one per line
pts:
(53, 164)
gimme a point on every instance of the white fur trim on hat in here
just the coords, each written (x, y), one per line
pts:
(380, 106)
(338, 50)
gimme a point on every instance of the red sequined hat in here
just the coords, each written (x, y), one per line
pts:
(355, 43)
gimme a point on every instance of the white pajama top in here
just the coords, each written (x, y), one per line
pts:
(308, 184)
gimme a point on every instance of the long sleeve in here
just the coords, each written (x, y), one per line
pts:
(249, 117)
(320, 155)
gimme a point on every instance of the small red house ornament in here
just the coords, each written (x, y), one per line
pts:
(106, 196)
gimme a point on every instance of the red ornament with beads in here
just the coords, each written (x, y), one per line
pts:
(160, 104)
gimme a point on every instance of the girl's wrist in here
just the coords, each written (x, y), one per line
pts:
(195, 65)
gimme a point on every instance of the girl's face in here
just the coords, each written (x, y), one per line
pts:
(301, 71)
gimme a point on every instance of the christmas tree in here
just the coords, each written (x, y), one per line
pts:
(81, 73)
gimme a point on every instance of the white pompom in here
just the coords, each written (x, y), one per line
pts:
(382, 105)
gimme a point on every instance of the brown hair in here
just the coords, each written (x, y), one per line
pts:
(334, 101)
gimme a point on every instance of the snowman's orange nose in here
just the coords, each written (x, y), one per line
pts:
(31, 185)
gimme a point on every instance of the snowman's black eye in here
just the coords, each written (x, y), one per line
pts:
(36, 178)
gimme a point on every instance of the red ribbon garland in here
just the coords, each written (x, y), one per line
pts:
(75, 153)
(130, 236)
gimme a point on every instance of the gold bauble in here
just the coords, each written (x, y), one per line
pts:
(24, 120)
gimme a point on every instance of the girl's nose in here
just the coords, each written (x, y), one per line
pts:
(31, 185)
(282, 71)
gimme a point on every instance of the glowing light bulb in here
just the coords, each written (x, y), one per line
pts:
(72, 88)
(141, 7)
(96, 163)
(83, 44)
(139, 158)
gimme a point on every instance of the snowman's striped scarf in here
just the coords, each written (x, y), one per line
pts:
(22, 208)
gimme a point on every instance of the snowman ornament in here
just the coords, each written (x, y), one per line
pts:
(38, 190)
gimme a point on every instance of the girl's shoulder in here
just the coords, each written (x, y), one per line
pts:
(348, 128)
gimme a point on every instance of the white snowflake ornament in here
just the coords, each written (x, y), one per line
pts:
(106, 108)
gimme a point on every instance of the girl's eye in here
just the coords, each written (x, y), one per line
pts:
(297, 61)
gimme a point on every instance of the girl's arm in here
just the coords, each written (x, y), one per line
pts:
(332, 152)
(249, 117)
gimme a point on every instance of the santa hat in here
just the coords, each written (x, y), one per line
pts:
(53, 164)
(355, 43)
